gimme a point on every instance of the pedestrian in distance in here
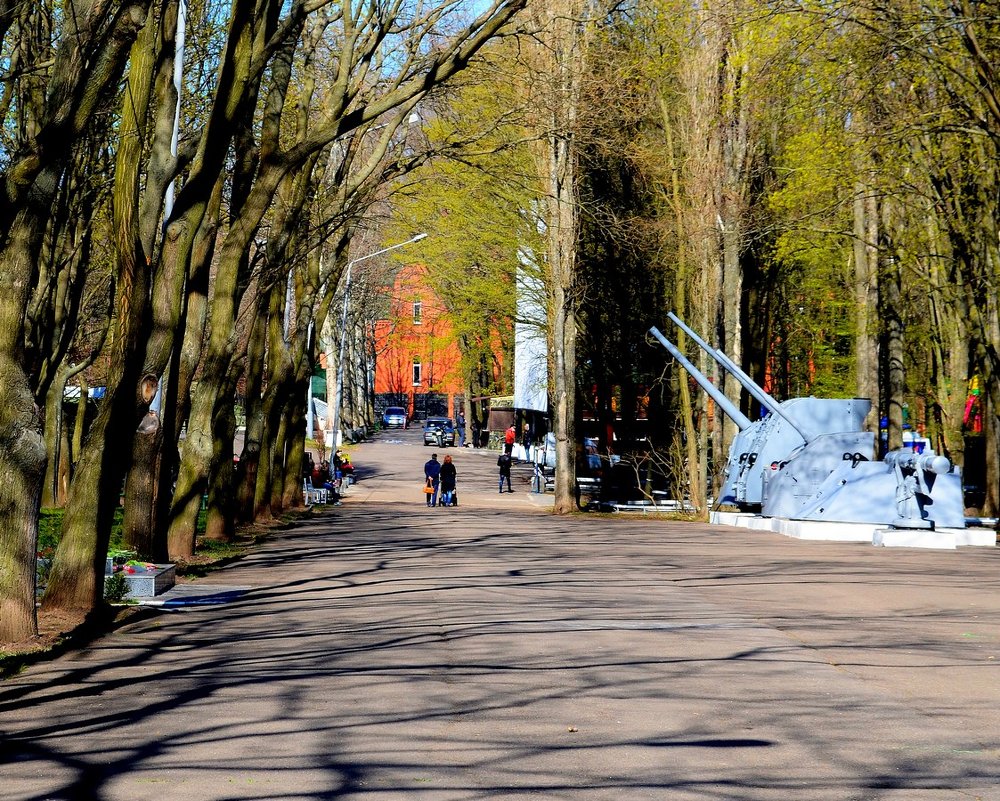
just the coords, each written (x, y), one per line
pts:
(432, 476)
(461, 430)
(503, 462)
(448, 477)
(510, 435)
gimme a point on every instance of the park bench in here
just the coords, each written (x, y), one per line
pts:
(313, 494)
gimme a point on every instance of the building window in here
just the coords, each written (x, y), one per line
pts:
(416, 373)
(418, 312)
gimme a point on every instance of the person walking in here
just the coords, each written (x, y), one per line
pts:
(461, 430)
(448, 476)
(432, 475)
(503, 462)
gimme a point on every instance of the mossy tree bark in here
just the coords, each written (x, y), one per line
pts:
(84, 69)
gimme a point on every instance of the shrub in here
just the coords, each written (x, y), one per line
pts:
(115, 587)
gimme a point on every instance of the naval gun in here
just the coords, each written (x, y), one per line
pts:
(810, 459)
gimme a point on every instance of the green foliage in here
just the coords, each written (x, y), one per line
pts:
(50, 530)
(116, 587)
(476, 201)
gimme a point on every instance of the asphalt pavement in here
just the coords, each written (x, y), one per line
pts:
(385, 651)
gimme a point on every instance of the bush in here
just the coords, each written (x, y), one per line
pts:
(116, 587)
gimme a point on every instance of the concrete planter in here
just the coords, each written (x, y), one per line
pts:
(148, 583)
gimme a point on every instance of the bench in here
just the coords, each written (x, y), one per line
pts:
(311, 494)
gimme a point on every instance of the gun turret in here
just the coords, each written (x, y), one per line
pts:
(742, 421)
(829, 428)
(756, 391)
(811, 459)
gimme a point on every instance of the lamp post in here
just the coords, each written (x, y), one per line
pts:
(338, 394)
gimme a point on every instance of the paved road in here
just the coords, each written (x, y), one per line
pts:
(388, 651)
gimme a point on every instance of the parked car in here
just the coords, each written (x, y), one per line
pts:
(394, 417)
(439, 431)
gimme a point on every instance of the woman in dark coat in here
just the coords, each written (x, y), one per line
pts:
(448, 477)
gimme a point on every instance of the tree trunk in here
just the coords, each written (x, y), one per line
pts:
(220, 520)
(76, 581)
(80, 423)
(279, 462)
(196, 456)
(890, 294)
(291, 496)
(246, 474)
(735, 145)
(138, 525)
(53, 439)
(991, 431)
(22, 465)
(562, 60)
(693, 470)
(866, 299)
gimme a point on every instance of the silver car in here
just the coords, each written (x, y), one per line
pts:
(394, 417)
(439, 431)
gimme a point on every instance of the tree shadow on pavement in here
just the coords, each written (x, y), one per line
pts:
(384, 655)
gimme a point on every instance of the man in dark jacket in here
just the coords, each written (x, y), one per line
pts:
(503, 462)
(432, 472)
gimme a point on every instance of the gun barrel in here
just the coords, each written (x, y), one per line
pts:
(742, 421)
(929, 462)
(737, 372)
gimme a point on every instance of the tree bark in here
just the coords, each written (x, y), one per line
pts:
(694, 471)
(866, 299)
(556, 96)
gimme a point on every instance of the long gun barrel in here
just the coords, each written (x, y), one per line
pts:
(737, 372)
(742, 421)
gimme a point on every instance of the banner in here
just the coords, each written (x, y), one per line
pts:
(531, 363)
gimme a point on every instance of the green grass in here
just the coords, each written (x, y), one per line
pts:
(50, 522)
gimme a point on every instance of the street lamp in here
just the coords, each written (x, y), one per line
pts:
(338, 394)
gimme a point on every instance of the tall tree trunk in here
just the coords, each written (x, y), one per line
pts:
(220, 520)
(76, 584)
(80, 423)
(246, 474)
(890, 295)
(731, 210)
(279, 459)
(291, 495)
(270, 471)
(694, 469)
(138, 525)
(54, 400)
(991, 431)
(22, 464)
(866, 299)
(562, 62)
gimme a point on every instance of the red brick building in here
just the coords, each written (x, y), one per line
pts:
(417, 362)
